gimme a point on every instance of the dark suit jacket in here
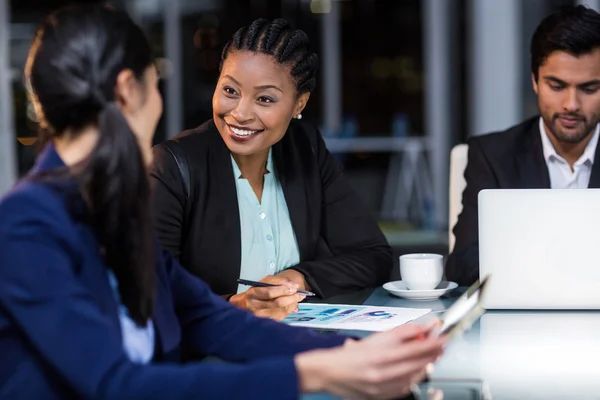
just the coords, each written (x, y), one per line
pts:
(512, 159)
(60, 335)
(341, 246)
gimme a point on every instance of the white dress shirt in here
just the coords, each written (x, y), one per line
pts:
(138, 343)
(561, 175)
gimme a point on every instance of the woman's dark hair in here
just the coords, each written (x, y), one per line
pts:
(287, 46)
(71, 71)
(575, 30)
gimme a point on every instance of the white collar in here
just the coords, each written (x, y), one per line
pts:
(588, 154)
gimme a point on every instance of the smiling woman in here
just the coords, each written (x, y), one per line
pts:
(267, 200)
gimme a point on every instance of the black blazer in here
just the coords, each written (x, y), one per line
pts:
(512, 159)
(341, 247)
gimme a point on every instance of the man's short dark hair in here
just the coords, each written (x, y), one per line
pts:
(575, 30)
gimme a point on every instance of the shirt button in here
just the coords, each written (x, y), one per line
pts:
(271, 265)
(262, 215)
(269, 238)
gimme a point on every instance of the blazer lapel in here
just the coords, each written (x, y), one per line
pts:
(222, 212)
(595, 176)
(532, 167)
(290, 173)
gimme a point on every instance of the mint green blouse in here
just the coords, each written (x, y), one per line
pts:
(268, 240)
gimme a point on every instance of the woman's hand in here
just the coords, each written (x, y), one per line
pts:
(272, 302)
(383, 366)
(295, 277)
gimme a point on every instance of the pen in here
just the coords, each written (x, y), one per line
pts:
(262, 284)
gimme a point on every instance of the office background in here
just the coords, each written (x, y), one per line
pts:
(401, 83)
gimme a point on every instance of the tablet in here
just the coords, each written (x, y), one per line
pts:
(464, 311)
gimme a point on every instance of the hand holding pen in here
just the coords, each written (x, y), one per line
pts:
(275, 297)
(264, 284)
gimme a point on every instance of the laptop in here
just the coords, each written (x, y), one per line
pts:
(540, 248)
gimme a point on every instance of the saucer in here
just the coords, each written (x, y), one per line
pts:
(398, 288)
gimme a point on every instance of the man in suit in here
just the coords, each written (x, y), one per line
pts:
(558, 148)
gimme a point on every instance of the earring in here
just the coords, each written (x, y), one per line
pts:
(299, 116)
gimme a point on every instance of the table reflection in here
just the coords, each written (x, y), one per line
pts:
(541, 355)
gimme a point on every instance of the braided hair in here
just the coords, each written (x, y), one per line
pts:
(287, 46)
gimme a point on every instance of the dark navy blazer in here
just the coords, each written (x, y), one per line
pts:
(60, 335)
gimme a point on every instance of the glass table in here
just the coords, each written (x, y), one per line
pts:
(507, 354)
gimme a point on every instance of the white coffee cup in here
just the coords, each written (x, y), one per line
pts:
(421, 271)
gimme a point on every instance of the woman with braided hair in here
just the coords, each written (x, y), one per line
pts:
(254, 194)
(90, 307)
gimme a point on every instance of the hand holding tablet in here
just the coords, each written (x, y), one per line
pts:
(464, 312)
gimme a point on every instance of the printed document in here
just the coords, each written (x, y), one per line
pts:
(363, 318)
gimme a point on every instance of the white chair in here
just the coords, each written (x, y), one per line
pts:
(458, 163)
